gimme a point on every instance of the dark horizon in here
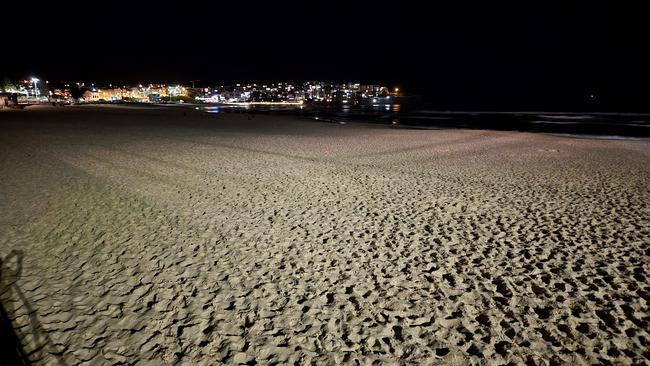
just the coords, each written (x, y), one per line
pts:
(578, 57)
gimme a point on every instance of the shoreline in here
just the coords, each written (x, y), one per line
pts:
(583, 128)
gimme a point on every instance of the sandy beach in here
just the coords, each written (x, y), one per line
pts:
(146, 236)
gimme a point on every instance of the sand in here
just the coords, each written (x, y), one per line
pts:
(139, 235)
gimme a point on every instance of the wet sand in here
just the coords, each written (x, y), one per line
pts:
(139, 235)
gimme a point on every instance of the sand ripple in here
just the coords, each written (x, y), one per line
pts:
(154, 238)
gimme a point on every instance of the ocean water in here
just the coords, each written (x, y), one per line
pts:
(602, 125)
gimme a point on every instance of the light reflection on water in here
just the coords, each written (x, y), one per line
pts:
(624, 124)
(391, 107)
(379, 107)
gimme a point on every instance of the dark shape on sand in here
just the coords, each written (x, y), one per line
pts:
(11, 349)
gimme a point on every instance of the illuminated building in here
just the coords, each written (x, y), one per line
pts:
(281, 92)
(177, 91)
(105, 95)
(63, 93)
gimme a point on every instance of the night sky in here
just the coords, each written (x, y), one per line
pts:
(566, 57)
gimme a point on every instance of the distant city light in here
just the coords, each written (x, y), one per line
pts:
(239, 94)
(36, 91)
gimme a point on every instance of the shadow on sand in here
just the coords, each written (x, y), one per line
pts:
(11, 348)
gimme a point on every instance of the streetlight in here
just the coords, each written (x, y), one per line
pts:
(35, 80)
(396, 92)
